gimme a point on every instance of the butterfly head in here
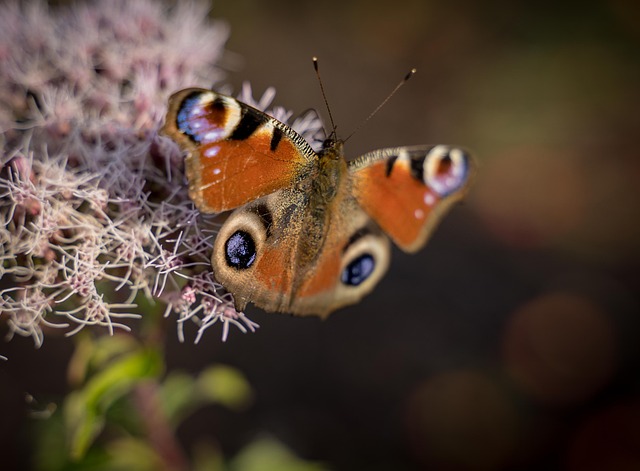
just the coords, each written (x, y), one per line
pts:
(332, 148)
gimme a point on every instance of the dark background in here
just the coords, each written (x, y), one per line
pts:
(510, 342)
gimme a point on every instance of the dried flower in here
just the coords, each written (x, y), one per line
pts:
(94, 206)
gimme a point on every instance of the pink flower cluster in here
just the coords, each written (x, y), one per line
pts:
(94, 208)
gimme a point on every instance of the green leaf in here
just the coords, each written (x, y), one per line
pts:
(132, 453)
(92, 354)
(85, 409)
(270, 455)
(182, 395)
(207, 457)
(179, 397)
(225, 385)
(49, 451)
(83, 424)
(106, 348)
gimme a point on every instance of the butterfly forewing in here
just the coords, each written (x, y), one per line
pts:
(236, 153)
(406, 190)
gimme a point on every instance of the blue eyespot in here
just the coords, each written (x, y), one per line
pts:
(184, 118)
(240, 250)
(446, 170)
(358, 270)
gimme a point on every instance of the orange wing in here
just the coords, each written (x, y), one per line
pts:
(266, 254)
(236, 152)
(406, 190)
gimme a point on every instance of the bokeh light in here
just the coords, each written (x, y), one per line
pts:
(531, 197)
(560, 348)
(462, 420)
(608, 440)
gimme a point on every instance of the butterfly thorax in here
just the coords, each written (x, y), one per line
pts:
(331, 170)
(327, 187)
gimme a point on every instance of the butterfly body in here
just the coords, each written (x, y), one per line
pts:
(310, 231)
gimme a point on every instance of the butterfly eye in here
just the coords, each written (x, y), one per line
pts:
(358, 270)
(240, 250)
(446, 169)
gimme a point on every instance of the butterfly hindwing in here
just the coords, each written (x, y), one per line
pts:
(236, 153)
(280, 254)
(406, 190)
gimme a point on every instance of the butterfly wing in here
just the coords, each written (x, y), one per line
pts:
(406, 190)
(281, 255)
(236, 153)
(283, 248)
(353, 258)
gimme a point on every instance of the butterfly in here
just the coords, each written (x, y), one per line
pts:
(309, 232)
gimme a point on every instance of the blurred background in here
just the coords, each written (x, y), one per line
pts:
(511, 341)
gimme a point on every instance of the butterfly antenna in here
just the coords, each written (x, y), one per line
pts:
(410, 74)
(324, 96)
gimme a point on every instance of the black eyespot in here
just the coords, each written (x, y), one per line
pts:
(358, 270)
(240, 250)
